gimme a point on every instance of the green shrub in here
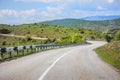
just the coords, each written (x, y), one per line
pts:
(76, 38)
(4, 31)
(4, 43)
(28, 38)
(107, 36)
(117, 36)
(64, 40)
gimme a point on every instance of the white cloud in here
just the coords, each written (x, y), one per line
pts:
(8, 12)
(101, 8)
(57, 9)
(28, 13)
(13, 16)
(14, 13)
(110, 1)
(53, 11)
(45, 14)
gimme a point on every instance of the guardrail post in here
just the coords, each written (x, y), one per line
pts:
(36, 48)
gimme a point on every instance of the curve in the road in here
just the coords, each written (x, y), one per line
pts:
(52, 65)
(73, 63)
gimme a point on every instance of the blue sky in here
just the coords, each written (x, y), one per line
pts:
(31, 11)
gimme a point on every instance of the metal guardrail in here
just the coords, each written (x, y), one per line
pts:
(36, 48)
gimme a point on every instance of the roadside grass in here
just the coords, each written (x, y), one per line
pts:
(110, 53)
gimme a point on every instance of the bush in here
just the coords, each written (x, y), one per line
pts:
(117, 36)
(64, 40)
(4, 43)
(77, 38)
(108, 36)
(27, 38)
(4, 31)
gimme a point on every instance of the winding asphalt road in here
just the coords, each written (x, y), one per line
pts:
(73, 63)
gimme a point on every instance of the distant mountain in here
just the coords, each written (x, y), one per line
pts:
(98, 25)
(100, 18)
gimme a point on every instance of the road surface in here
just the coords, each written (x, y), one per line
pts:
(18, 36)
(73, 63)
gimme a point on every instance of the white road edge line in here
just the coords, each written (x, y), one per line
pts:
(52, 65)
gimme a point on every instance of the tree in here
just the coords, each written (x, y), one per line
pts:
(108, 36)
(4, 31)
(28, 32)
(82, 32)
(35, 23)
(48, 41)
(4, 43)
(92, 37)
(27, 38)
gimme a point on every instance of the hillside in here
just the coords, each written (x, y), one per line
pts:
(45, 31)
(98, 25)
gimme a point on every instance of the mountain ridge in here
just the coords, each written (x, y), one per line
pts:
(98, 25)
(101, 18)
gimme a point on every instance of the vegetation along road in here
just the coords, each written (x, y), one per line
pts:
(73, 63)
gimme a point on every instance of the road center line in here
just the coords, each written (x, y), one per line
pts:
(52, 65)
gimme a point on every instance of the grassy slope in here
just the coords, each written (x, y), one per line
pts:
(110, 53)
(40, 30)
